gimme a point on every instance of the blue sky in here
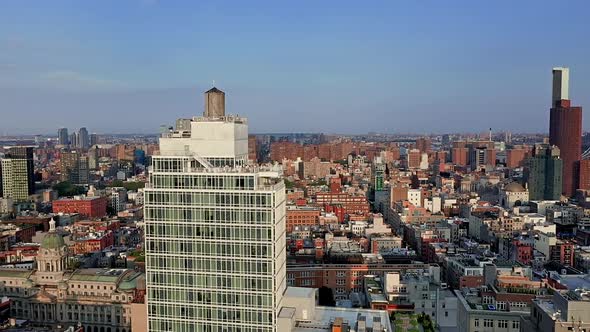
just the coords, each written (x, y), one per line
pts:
(312, 66)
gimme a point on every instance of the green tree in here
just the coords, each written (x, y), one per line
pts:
(66, 188)
(129, 185)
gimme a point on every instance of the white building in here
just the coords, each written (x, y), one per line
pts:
(117, 199)
(215, 230)
(513, 194)
(424, 161)
(544, 243)
(433, 204)
(6, 205)
(415, 197)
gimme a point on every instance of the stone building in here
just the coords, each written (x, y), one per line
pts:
(513, 194)
(53, 295)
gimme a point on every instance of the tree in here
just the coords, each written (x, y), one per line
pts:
(66, 188)
(131, 186)
(326, 298)
(289, 184)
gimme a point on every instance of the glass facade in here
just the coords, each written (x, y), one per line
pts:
(215, 246)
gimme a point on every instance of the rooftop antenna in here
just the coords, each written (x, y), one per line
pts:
(490, 134)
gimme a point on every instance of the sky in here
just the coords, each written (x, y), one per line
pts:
(129, 66)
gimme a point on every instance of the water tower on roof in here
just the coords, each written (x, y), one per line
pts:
(214, 103)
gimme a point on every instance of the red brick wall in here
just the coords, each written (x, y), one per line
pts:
(91, 208)
(565, 131)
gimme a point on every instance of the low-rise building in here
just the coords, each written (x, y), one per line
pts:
(89, 207)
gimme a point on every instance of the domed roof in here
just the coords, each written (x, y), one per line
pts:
(514, 187)
(52, 240)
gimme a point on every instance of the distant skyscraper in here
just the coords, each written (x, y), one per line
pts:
(17, 173)
(543, 173)
(565, 130)
(83, 138)
(74, 167)
(93, 139)
(62, 136)
(215, 232)
(74, 140)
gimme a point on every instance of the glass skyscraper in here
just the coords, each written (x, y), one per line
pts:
(215, 230)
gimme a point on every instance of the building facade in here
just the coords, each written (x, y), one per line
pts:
(215, 232)
(565, 130)
(17, 173)
(62, 136)
(543, 173)
(74, 167)
(89, 207)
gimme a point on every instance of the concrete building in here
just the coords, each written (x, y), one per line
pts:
(415, 197)
(513, 194)
(433, 204)
(475, 315)
(566, 311)
(117, 197)
(74, 167)
(543, 173)
(215, 230)
(419, 292)
(17, 173)
(83, 139)
(300, 313)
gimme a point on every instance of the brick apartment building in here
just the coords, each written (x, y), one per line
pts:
(302, 216)
(351, 204)
(342, 278)
(93, 244)
(90, 207)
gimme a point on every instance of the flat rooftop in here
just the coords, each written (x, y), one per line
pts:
(573, 282)
(324, 317)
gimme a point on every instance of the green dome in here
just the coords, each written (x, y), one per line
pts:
(52, 241)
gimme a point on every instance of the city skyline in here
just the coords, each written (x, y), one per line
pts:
(411, 67)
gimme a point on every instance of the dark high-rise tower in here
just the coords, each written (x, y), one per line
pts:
(565, 130)
(543, 173)
(83, 138)
(62, 136)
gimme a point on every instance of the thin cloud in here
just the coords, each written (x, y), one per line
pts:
(68, 79)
